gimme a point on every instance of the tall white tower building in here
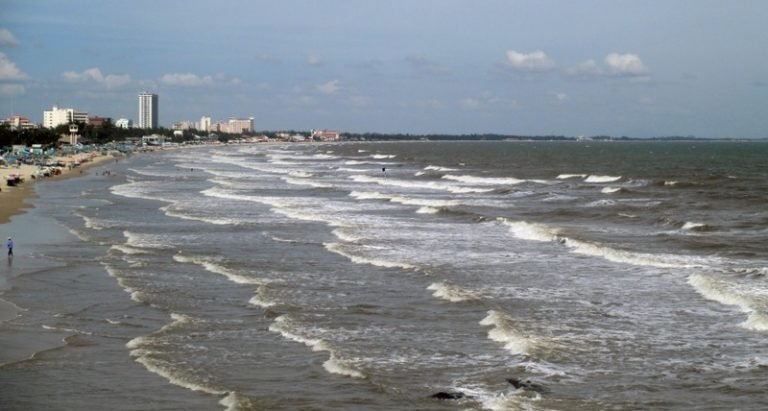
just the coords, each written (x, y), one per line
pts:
(205, 124)
(147, 110)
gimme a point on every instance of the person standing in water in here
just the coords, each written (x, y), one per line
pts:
(10, 247)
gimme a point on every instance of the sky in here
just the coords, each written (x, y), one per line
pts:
(640, 68)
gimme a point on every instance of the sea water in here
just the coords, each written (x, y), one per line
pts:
(369, 276)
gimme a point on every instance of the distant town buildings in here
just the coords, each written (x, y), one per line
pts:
(97, 121)
(148, 110)
(325, 135)
(124, 123)
(231, 126)
(57, 116)
(19, 123)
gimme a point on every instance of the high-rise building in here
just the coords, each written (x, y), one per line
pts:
(147, 110)
(205, 124)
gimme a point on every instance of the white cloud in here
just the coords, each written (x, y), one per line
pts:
(314, 60)
(561, 97)
(330, 87)
(7, 39)
(535, 61)
(625, 64)
(186, 80)
(8, 69)
(10, 90)
(614, 64)
(193, 80)
(94, 74)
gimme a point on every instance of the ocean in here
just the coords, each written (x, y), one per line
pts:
(373, 275)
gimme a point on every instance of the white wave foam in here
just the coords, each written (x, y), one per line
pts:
(452, 292)
(427, 210)
(284, 326)
(693, 226)
(433, 185)
(300, 174)
(235, 401)
(353, 170)
(232, 275)
(567, 176)
(171, 210)
(601, 179)
(600, 203)
(143, 353)
(530, 231)
(144, 241)
(540, 232)
(630, 257)
(671, 183)
(346, 235)
(383, 156)
(369, 195)
(610, 190)
(336, 366)
(484, 180)
(751, 301)
(303, 182)
(438, 168)
(127, 250)
(379, 262)
(400, 199)
(503, 331)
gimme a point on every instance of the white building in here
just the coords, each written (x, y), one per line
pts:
(124, 123)
(148, 110)
(57, 116)
(241, 125)
(205, 124)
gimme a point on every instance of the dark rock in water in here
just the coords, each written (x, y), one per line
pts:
(442, 395)
(527, 385)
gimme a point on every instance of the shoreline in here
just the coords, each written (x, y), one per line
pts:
(17, 199)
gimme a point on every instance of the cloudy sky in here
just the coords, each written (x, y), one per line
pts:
(570, 67)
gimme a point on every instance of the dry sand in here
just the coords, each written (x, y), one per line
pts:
(13, 200)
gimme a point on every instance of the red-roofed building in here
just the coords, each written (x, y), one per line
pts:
(19, 123)
(326, 135)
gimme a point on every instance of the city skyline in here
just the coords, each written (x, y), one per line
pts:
(593, 67)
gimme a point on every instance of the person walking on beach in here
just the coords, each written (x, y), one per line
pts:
(10, 247)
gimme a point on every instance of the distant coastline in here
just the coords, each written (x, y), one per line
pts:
(513, 137)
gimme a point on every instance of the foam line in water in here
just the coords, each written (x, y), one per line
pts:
(567, 176)
(755, 302)
(284, 326)
(530, 231)
(601, 179)
(232, 275)
(357, 259)
(484, 180)
(143, 352)
(432, 185)
(502, 331)
(452, 293)
(438, 168)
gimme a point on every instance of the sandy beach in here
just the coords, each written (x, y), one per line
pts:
(13, 199)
